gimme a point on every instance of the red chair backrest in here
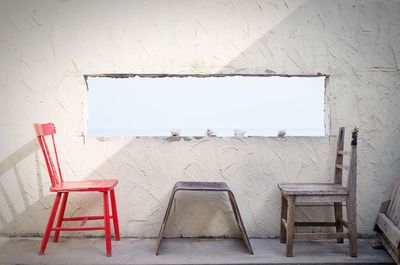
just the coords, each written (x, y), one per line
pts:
(43, 131)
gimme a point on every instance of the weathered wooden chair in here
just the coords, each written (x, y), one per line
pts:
(335, 194)
(63, 188)
(387, 223)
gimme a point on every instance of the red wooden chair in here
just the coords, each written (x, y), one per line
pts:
(63, 188)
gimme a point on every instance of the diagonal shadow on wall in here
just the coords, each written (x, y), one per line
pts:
(147, 171)
(135, 194)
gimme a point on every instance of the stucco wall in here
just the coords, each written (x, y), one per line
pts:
(47, 46)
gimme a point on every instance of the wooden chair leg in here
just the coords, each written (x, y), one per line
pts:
(115, 215)
(338, 216)
(107, 223)
(283, 216)
(61, 215)
(352, 226)
(50, 223)
(290, 226)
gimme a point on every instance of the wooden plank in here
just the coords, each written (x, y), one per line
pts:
(314, 204)
(393, 212)
(313, 236)
(319, 199)
(391, 231)
(394, 252)
(312, 189)
(382, 209)
(397, 186)
(322, 224)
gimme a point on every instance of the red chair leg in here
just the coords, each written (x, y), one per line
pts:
(61, 215)
(107, 223)
(50, 223)
(115, 215)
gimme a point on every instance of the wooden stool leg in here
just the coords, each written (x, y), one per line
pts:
(50, 223)
(283, 216)
(164, 223)
(61, 215)
(290, 226)
(239, 221)
(338, 216)
(352, 226)
(107, 223)
(115, 215)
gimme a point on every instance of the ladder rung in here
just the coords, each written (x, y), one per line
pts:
(342, 166)
(341, 152)
(320, 235)
(321, 224)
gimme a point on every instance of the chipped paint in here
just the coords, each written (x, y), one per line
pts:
(47, 48)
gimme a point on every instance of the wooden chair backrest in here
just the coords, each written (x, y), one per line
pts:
(339, 157)
(352, 178)
(49, 130)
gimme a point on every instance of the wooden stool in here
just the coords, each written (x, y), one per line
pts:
(205, 186)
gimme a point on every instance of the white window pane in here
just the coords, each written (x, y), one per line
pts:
(144, 106)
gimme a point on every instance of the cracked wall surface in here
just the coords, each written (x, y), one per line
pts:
(47, 46)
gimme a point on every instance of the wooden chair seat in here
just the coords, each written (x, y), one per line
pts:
(312, 189)
(85, 185)
(201, 186)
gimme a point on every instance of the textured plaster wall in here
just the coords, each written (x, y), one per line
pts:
(47, 46)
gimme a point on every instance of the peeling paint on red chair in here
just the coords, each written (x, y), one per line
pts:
(63, 188)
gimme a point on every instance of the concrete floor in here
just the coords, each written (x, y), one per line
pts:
(184, 251)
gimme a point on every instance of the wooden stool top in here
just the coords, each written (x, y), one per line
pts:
(201, 186)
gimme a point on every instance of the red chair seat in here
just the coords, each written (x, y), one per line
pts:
(85, 185)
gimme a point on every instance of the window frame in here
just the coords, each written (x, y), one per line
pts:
(85, 134)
